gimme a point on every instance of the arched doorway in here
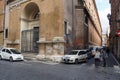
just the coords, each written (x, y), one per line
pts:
(30, 28)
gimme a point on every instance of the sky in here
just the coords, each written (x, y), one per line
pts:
(103, 8)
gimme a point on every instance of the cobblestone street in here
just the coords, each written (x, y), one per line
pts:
(40, 70)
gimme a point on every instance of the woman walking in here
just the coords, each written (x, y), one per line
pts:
(97, 57)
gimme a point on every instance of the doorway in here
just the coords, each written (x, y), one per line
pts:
(29, 40)
(30, 21)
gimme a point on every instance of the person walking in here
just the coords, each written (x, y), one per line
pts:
(97, 57)
(104, 56)
(107, 51)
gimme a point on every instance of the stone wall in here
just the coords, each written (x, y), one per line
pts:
(50, 25)
(1, 21)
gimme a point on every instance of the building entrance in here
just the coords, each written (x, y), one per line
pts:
(30, 28)
(29, 40)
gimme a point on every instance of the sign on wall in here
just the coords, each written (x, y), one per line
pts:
(118, 33)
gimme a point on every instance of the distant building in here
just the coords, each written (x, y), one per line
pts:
(51, 28)
(105, 40)
(88, 27)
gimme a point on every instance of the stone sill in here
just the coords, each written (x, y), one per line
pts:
(13, 43)
(47, 42)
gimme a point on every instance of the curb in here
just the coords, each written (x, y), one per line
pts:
(29, 59)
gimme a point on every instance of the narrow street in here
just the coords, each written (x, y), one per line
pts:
(28, 70)
(44, 31)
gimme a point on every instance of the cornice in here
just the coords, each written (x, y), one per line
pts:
(16, 3)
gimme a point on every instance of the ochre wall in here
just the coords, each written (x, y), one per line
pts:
(50, 21)
(1, 21)
(94, 38)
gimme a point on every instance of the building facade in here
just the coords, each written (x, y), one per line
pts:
(105, 40)
(2, 9)
(87, 25)
(51, 28)
(114, 19)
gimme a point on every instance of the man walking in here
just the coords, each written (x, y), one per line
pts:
(104, 56)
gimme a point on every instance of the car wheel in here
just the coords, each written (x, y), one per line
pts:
(76, 61)
(11, 59)
(0, 57)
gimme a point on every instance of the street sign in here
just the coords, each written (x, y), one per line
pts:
(118, 33)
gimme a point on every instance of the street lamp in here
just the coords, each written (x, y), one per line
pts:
(110, 20)
(109, 16)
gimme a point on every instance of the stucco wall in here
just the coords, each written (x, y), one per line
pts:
(95, 29)
(1, 21)
(50, 25)
(79, 28)
(94, 38)
(50, 19)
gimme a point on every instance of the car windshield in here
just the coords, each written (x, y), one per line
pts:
(14, 51)
(73, 52)
(82, 52)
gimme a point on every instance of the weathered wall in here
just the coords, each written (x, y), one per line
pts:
(1, 21)
(79, 29)
(95, 29)
(50, 25)
(68, 23)
(94, 38)
(50, 19)
(1, 14)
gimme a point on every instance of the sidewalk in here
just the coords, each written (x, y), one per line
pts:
(31, 57)
(117, 61)
(112, 61)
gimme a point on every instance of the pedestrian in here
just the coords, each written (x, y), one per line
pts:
(104, 56)
(97, 57)
(107, 51)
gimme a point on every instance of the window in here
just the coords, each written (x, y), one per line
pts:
(65, 27)
(36, 16)
(3, 50)
(81, 52)
(73, 52)
(6, 33)
(14, 51)
(8, 51)
(86, 19)
(66, 32)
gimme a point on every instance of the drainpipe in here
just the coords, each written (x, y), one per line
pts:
(4, 22)
(73, 16)
(5, 3)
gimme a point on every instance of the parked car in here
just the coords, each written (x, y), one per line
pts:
(89, 54)
(75, 56)
(11, 54)
(93, 49)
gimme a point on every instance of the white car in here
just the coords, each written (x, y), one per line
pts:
(75, 56)
(11, 54)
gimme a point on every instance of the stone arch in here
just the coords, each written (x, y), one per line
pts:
(31, 13)
(30, 27)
